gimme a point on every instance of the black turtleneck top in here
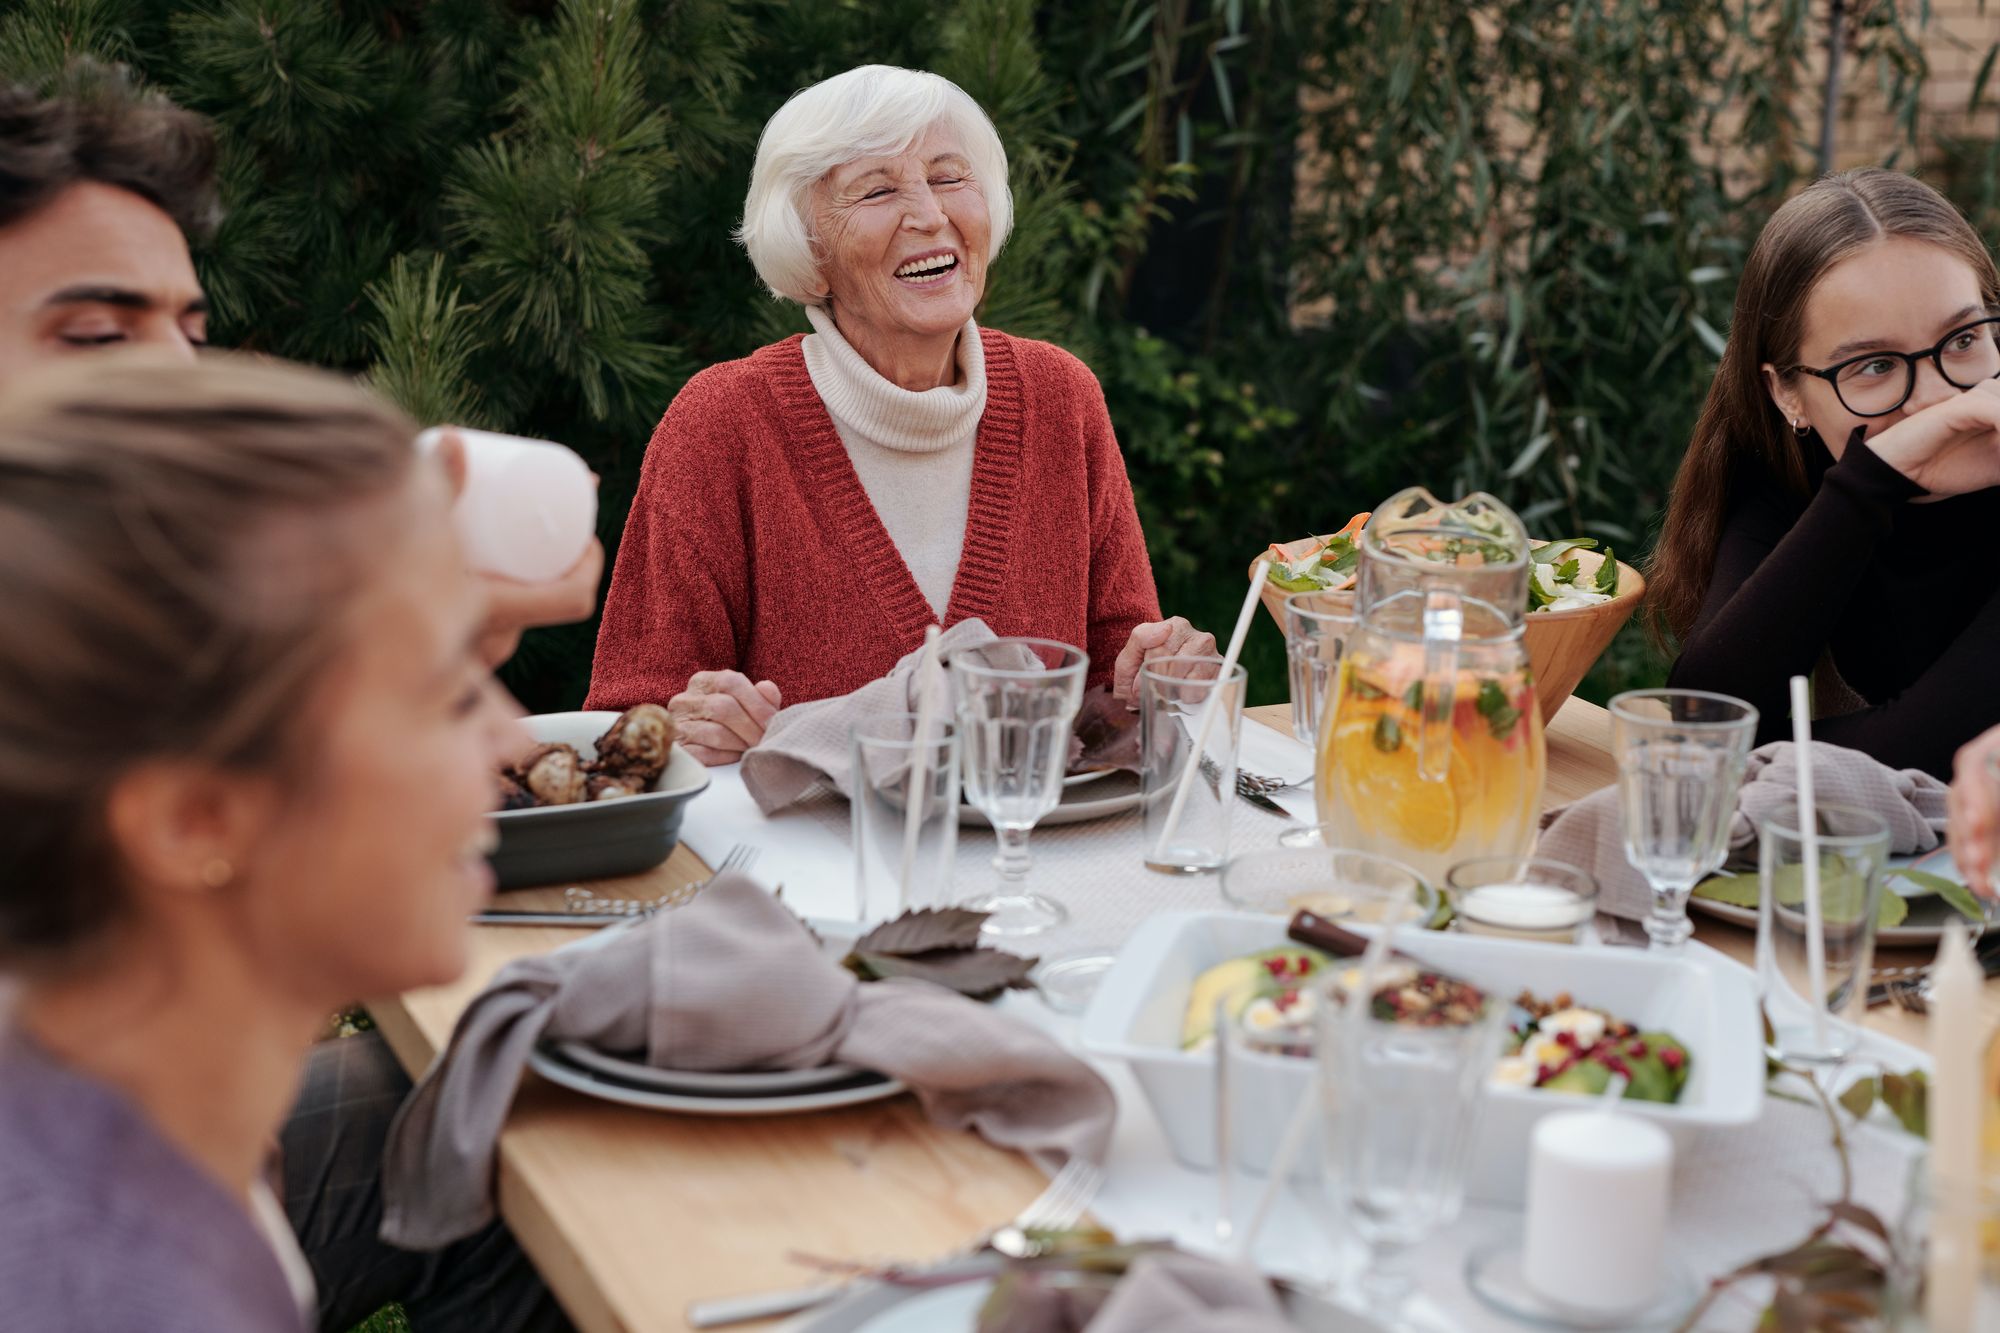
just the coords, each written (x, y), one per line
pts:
(1905, 598)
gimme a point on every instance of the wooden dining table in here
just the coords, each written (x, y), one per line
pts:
(631, 1214)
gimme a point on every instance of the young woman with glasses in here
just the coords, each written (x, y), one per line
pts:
(1838, 509)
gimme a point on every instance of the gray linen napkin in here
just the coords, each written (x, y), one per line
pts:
(732, 981)
(1587, 833)
(1174, 1292)
(810, 742)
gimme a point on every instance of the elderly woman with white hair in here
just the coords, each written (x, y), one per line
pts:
(805, 513)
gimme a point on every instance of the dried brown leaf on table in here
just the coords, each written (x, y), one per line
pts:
(1856, 1216)
(1908, 1096)
(1107, 729)
(923, 929)
(979, 973)
(1859, 1099)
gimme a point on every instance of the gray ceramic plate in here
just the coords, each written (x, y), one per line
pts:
(700, 1083)
(862, 1088)
(1116, 793)
(558, 844)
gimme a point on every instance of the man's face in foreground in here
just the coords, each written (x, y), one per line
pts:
(96, 266)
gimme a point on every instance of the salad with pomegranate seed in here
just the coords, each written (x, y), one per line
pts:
(1562, 1046)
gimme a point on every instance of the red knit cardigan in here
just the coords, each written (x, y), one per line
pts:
(752, 545)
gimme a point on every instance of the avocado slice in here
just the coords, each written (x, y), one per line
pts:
(1585, 1076)
(1241, 980)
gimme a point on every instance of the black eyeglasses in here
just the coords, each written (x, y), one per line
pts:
(1875, 384)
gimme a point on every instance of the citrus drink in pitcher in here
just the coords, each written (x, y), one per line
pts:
(1430, 745)
(1370, 780)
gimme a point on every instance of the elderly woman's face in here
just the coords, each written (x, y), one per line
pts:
(905, 239)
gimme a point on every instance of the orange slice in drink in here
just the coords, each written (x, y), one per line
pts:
(1381, 784)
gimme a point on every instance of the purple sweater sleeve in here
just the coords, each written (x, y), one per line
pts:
(1783, 580)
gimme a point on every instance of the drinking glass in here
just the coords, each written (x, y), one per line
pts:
(1017, 701)
(1188, 832)
(1260, 1052)
(1521, 898)
(1316, 629)
(1309, 876)
(1680, 761)
(1818, 1026)
(903, 858)
(1401, 1103)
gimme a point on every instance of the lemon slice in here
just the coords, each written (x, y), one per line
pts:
(1383, 786)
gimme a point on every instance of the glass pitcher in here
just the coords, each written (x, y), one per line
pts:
(1430, 746)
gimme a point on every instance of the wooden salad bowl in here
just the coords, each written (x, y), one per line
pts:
(1562, 645)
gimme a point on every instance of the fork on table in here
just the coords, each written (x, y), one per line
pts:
(581, 907)
(1056, 1208)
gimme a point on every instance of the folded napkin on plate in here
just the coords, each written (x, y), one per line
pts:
(1173, 1292)
(810, 742)
(732, 981)
(1587, 833)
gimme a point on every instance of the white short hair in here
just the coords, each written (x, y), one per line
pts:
(870, 111)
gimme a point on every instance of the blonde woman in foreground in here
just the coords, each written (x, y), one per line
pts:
(246, 757)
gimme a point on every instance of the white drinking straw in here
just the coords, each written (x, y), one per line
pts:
(1809, 854)
(1210, 707)
(918, 792)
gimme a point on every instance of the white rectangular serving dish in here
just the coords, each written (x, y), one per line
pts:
(1704, 1000)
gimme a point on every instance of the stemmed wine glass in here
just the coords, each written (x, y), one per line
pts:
(1681, 755)
(1017, 702)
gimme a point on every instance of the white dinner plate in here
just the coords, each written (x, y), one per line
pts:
(877, 1308)
(555, 1069)
(1922, 928)
(1081, 802)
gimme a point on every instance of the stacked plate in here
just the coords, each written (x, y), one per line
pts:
(631, 1082)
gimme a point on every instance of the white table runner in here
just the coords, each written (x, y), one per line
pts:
(1741, 1194)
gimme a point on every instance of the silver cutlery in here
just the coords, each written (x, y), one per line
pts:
(581, 907)
(1056, 1208)
(1253, 791)
(1909, 988)
(1256, 784)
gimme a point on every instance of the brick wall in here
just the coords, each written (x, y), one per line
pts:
(1955, 41)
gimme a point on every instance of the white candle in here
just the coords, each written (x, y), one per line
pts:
(1597, 1211)
(1957, 1052)
(528, 509)
(1523, 911)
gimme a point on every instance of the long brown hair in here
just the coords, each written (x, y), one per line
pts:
(179, 548)
(1742, 438)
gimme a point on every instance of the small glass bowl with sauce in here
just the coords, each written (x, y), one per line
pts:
(1305, 873)
(1521, 898)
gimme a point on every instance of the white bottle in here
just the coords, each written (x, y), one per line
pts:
(529, 507)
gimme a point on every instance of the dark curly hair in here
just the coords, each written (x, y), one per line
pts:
(99, 125)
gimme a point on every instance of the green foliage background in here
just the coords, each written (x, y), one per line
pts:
(1512, 268)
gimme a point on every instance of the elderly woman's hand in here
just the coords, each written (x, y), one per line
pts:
(1973, 812)
(1151, 642)
(721, 714)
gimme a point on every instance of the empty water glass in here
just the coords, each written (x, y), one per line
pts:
(1316, 629)
(905, 812)
(1818, 1024)
(1188, 813)
(1401, 1101)
(1016, 701)
(1680, 761)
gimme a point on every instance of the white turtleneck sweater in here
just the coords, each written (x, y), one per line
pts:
(912, 449)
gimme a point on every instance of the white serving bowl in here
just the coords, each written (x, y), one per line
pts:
(1703, 999)
(556, 844)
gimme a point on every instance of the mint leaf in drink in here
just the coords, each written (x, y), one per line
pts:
(1388, 734)
(1498, 710)
(1413, 698)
